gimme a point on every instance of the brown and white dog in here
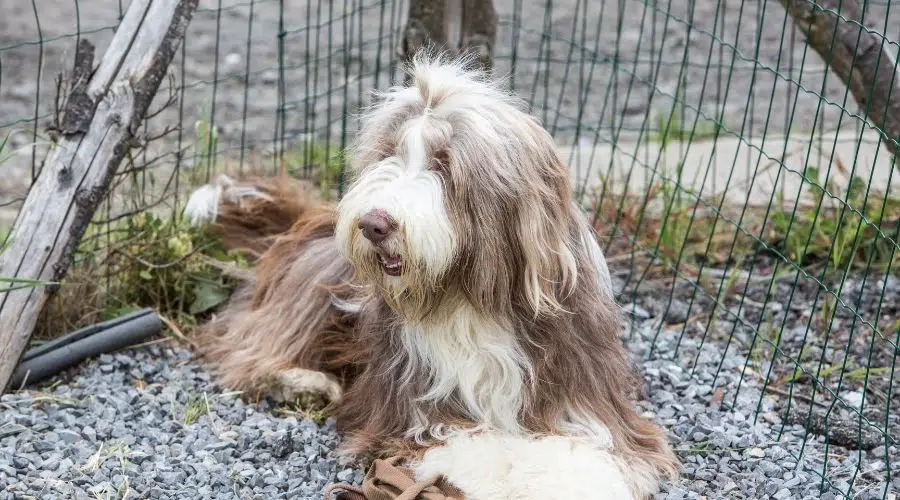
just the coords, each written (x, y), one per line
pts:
(455, 305)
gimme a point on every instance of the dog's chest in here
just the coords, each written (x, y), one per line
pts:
(469, 363)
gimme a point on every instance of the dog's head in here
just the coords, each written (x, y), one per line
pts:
(458, 192)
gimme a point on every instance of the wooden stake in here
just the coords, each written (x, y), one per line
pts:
(104, 110)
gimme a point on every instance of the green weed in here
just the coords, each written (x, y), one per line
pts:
(145, 261)
(20, 283)
(674, 127)
(824, 230)
(318, 163)
(860, 374)
(159, 260)
(196, 407)
(206, 143)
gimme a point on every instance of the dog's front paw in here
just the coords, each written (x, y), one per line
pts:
(296, 382)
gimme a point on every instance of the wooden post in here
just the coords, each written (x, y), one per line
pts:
(425, 27)
(428, 22)
(833, 28)
(479, 30)
(103, 111)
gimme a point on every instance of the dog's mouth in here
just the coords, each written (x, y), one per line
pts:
(392, 265)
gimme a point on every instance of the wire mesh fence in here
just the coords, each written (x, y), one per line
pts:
(749, 212)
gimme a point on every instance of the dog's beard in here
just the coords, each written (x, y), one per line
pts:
(415, 290)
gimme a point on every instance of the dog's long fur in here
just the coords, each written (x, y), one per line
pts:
(502, 319)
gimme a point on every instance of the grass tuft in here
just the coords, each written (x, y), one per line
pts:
(196, 407)
(320, 163)
(670, 225)
(142, 261)
(310, 406)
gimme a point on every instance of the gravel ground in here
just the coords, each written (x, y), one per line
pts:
(131, 422)
(137, 425)
(725, 455)
(833, 340)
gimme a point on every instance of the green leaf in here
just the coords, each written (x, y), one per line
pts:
(20, 283)
(4, 141)
(207, 295)
(117, 312)
(145, 274)
(856, 192)
(27, 281)
(812, 174)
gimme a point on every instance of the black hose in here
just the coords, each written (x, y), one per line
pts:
(57, 355)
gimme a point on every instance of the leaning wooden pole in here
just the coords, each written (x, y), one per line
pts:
(105, 107)
(861, 58)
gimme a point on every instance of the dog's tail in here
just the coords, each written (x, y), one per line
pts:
(248, 214)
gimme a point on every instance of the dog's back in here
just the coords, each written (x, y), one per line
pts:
(288, 314)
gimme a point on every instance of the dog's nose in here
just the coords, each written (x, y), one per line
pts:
(376, 226)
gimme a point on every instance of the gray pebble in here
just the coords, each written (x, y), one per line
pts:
(68, 436)
(11, 429)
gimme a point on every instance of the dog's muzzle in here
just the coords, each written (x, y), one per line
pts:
(377, 226)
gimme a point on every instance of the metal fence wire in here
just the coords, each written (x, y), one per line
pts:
(748, 209)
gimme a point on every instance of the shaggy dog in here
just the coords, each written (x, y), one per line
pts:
(455, 306)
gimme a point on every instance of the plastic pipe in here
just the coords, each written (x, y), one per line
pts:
(57, 355)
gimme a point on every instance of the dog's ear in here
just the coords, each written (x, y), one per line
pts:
(549, 269)
(515, 218)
